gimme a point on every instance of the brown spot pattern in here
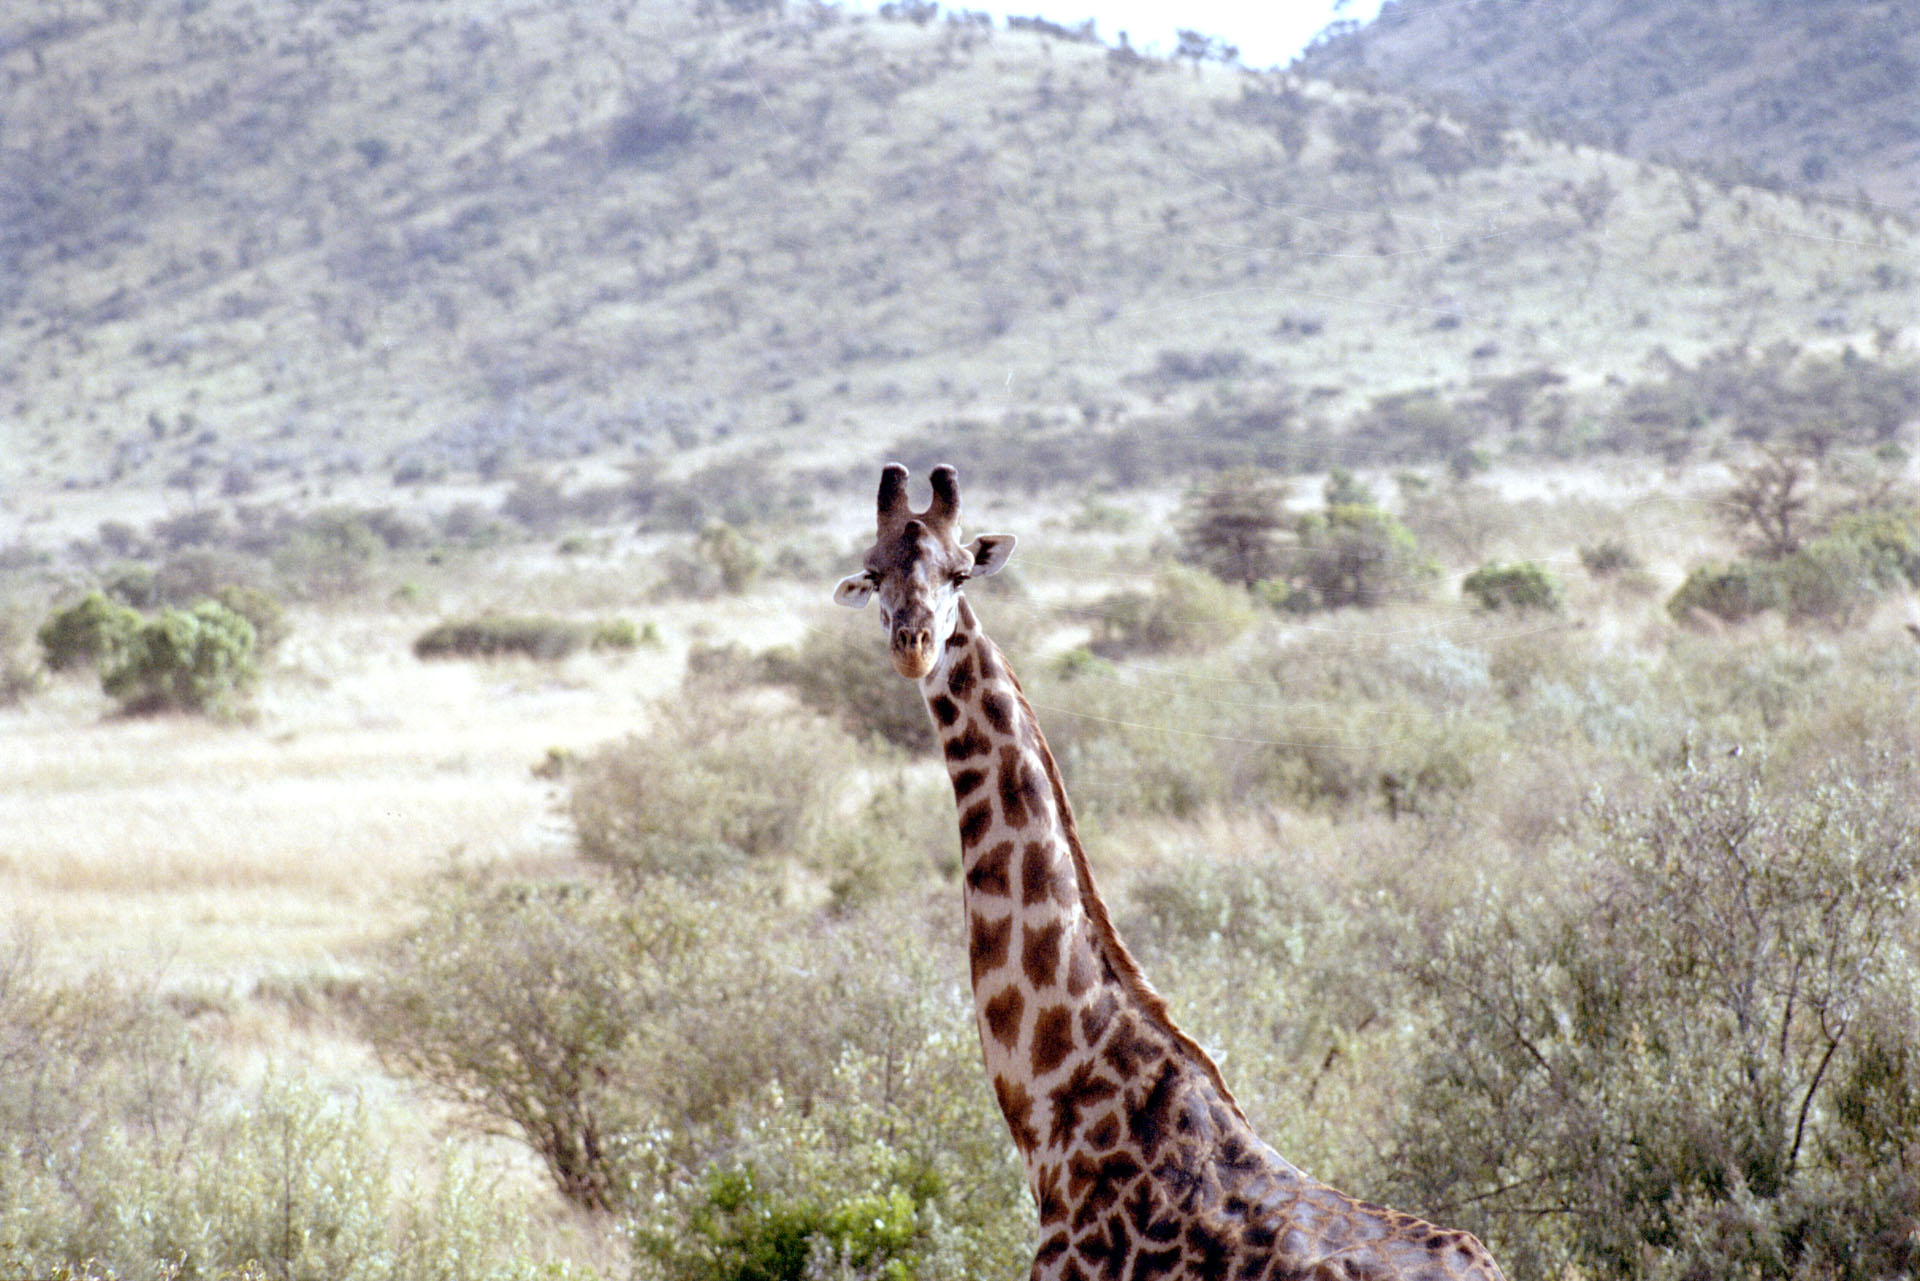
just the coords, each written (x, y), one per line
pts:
(998, 709)
(1013, 792)
(1080, 971)
(989, 872)
(987, 948)
(1003, 1015)
(1040, 953)
(968, 743)
(976, 823)
(960, 679)
(1039, 874)
(1017, 1106)
(1052, 1038)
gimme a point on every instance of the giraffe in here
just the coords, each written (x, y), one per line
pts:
(1140, 1162)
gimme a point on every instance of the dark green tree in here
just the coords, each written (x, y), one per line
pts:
(1234, 526)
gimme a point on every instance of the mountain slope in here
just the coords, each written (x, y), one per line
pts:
(259, 247)
(1821, 94)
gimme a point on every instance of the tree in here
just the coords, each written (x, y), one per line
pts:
(517, 1003)
(1355, 554)
(193, 660)
(1767, 508)
(90, 632)
(1233, 526)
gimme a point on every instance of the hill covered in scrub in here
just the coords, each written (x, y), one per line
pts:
(250, 251)
(1820, 95)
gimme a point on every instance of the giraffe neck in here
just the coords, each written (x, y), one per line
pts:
(1140, 1162)
(1066, 1018)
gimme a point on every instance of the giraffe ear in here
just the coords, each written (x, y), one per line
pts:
(990, 552)
(854, 591)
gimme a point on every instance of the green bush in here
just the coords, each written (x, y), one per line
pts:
(842, 672)
(1862, 557)
(1703, 1066)
(518, 1003)
(621, 634)
(858, 1138)
(721, 561)
(1731, 592)
(261, 609)
(1607, 557)
(1353, 554)
(329, 555)
(1893, 534)
(1186, 612)
(89, 633)
(709, 790)
(193, 660)
(1522, 585)
(1831, 579)
(741, 1232)
(543, 639)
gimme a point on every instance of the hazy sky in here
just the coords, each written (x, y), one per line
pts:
(1268, 32)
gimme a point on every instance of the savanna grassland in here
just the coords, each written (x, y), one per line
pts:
(1467, 578)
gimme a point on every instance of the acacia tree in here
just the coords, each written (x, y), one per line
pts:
(1768, 505)
(1233, 526)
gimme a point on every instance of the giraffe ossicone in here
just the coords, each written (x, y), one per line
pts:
(1140, 1162)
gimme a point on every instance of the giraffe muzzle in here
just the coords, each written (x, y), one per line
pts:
(912, 651)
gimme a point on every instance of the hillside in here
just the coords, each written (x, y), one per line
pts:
(260, 251)
(1823, 95)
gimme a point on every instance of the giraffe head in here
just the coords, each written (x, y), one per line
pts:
(917, 567)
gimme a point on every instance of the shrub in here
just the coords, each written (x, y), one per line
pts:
(1358, 555)
(740, 1231)
(261, 609)
(1731, 592)
(1187, 612)
(621, 634)
(518, 1002)
(708, 789)
(544, 639)
(843, 675)
(1607, 557)
(1696, 1065)
(90, 632)
(192, 660)
(134, 584)
(1522, 585)
(126, 1151)
(328, 555)
(1892, 533)
(857, 1138)
(1831, 579)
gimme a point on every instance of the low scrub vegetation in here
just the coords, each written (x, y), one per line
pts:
(1703, 1057)
(1600, 946)
(198, 659)
(540, 638)
(127, 1151)
(1523, 585)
